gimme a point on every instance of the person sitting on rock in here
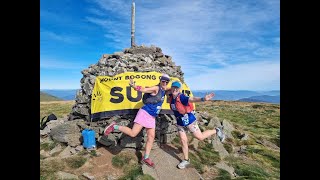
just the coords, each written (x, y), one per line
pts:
(153, 100)
(182, 108)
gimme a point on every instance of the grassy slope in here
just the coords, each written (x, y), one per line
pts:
(259, 120)
(262, 122)
(47, 97)
(59, 108)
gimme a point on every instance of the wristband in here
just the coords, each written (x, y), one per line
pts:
(138, 88)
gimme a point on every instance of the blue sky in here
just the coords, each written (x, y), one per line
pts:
(219, 44)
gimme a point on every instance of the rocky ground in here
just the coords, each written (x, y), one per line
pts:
(251, 151)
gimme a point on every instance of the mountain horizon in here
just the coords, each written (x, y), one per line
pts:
(228, 95)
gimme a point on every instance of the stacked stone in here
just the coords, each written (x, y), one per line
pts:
(135, 59)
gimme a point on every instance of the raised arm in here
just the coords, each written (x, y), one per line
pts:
(143, 89)
(199, 99)
(168, 91)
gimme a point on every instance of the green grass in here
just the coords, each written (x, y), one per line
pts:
(59, 109)
(93, 153)
(257, 106)
(236, 134)
(264, 155)
(49, 168)
(248, 170)
(176, 142)
(196, 162)
(250, 141)
(48, 97)
(228, 147)
(145, 177)
(276, 141)
(42, 157)
(223, 175)
(83, 152)
(258, 119)
(47, 146)
(121, 159)
(131, 172)
(207, 154)
(75, 162)
(129, 164)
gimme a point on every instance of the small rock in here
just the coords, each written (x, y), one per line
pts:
(105, 55)
(218, 146)
(88, 176)
(223, 165)
(44, 153)
(64, 175)
(244, 137)
(56, 149)
(109, 177)
(44, 132)
(66, 152)
(73, 151)
(79, 148)
(242, 149)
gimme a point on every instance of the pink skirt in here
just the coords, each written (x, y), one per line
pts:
(145, 119)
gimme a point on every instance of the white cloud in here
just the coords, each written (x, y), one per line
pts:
(202, 36)
(114, 30)
(253, 76)
(59, 84)
(115, 6)
(59, 37)
(61, 64)
(96, 12)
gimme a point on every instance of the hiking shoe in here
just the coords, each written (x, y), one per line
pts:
(147, 162)
(220, 134)
(183, 164)
(109, 128)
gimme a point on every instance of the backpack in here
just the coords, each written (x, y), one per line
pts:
(182, 109)
(49, 118)
(150, 99)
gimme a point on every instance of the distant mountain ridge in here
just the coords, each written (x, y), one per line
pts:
(227, 95)
(65, 94)
(47, 97)
(263, 98)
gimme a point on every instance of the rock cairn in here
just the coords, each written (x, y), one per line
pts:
(135, 59)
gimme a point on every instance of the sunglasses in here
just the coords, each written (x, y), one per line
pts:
(165, 82)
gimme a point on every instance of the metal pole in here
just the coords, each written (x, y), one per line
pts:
(132, 24)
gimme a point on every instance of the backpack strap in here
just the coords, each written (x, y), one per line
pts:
(178, 99)
(41, 123)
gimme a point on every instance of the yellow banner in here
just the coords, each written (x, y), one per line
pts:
(112, 95)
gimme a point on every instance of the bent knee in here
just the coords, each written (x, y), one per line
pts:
(200, 138)
(133, 134)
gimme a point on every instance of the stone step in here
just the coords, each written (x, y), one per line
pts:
(166, 162)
